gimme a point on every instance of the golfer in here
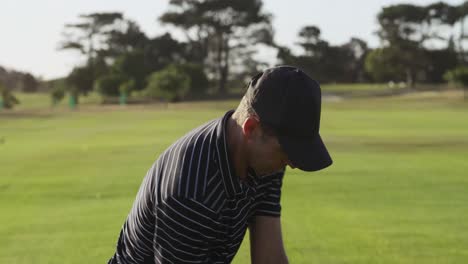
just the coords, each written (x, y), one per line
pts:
(198, 199)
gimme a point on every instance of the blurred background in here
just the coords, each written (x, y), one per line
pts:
(92, 91)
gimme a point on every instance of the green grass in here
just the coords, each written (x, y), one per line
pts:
(41, 101)
(397, 192)
(352, 87)
(376, 89)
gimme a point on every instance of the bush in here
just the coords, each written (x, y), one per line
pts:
(458, 76)
(382, 65)
(198, 81)
(171, 84)
(7, 99)
(132, 65)
(29, 83)
(109, 85)
(80, 81)
(127, 87)
(57, 94)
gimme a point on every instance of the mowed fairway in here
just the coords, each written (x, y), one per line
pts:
(397, 192)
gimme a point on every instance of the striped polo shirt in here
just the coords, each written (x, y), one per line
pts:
(192, 207)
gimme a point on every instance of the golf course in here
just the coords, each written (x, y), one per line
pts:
(396, 193)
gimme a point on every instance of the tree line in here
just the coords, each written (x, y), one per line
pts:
(15, 80)
(418, 44)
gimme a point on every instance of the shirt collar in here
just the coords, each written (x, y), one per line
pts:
(231, 180)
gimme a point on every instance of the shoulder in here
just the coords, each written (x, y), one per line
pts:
(186, 165)
(197, 139)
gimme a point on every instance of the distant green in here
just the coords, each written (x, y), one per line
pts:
(396, 193)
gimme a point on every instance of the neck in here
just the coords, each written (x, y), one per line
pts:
(236, 148)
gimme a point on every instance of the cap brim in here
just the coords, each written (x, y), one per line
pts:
(307, 155)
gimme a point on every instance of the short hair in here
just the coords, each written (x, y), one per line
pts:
(245, 109)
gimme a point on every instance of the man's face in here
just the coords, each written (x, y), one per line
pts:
(264, 153)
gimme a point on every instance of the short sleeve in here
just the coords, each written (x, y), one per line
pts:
(268, 195)
(135, 240)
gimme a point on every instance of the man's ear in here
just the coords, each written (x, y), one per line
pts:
(249, 127)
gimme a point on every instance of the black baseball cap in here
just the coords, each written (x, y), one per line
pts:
(288, 101)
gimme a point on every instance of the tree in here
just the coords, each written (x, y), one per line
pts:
(315, 52)
(109, 85)
(220, 30)
(401, 22)
(440, 61)
(125, 89)
(325, 62)
(132, 66)
(90, 34)
(16, 80)
(382, 65)
(7, 99)
(285, 56)
(170, 84)
(358, 49)
(163, 50)
(124, 39)
(405, 31)
(29, 83)
(138, 62)
(57, 93)
(198, 80)
(459, 76)
(311, 42)
(461, 12)
(90, 37)
(80, 81)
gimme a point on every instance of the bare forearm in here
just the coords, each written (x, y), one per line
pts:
(266, 244)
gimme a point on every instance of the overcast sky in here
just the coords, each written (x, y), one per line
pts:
(31, 30)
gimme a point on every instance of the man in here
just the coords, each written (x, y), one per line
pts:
(205, 190)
